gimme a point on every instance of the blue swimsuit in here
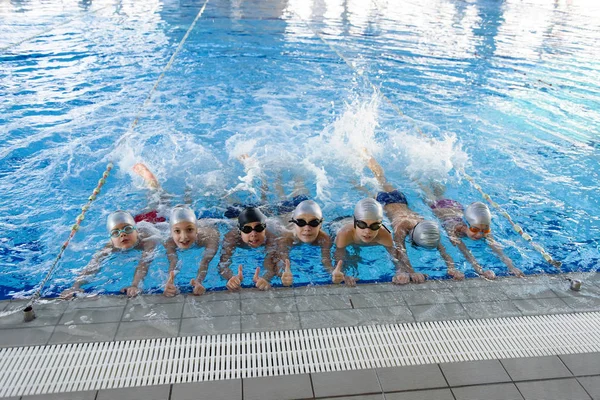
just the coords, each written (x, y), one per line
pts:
(393, 197)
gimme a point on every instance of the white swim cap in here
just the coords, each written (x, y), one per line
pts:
(478, 214)
(426, 234)
(368, 209)
(182, 213)
(119, 217)
(308, 207)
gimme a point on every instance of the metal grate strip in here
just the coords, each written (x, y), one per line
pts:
(106, 365)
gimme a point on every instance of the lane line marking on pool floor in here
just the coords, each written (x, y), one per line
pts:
(107, 365)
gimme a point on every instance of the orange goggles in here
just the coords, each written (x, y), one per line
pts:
(478, 230)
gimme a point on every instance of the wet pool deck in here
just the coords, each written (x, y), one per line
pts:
(110, 318)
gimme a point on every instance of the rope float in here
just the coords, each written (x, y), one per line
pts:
(517, 228)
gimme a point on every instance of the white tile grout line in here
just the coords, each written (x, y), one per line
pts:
(107, 365)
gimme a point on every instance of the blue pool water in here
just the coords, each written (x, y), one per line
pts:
(506, 89)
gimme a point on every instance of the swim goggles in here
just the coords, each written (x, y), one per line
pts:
(301, 222)
(363, 225)
(478, 230)
(127, 229)
(258, 228)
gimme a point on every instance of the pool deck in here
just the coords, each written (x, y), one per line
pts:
(113, 318)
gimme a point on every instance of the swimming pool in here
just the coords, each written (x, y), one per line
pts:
(506, 89)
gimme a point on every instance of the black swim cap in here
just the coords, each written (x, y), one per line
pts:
(250, 215)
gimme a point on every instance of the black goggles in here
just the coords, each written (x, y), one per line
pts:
(258, 228)
(301, 222)
(363, 225)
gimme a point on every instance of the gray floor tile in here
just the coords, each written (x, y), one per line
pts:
(439, 312)
(582, 364)
(4, 304)
(345, 383)
(324, 290)
(352, 317)
(531, 291)
(270, 322)
(422, 297)
(161, 392)
(542, 306)
(359, 397)
(592, 385)
(323, 303)
(397, 315)
(148, 329)
(210, 326)
(89, 395)
(502, 391)
(215, 296)
(492, 309)
(150, 312)
(285, 387)
(213, 390)
(268, 305)
(523, 369)
(272, 293)
(411, 378)
(45, 316)
(25, 336)
(435, 394)
(206, 309)
(97, 302)
(376, 287)
(76, 333)
(92, 316)
(558, 389)
(156, 299)
(370, 300)
(475, 294)
(474, 372)
(582, 304)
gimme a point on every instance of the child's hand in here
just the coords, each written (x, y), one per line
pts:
(69, 293)
(199, 290)
(260, 283)
(337, 276)
(488, 274)
(131, 291)
(235, 282)
(401, 279)
(287, 278)
(417, 277)
(456, 274)
(170, 288)
(517, 272)
(350, 280)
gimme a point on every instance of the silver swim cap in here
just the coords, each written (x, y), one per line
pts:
(308, 207)
(182, 213)
(119, 217)
(368, 209)
(426, 234)
(478, 214)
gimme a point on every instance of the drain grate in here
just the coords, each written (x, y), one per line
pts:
(93, 366)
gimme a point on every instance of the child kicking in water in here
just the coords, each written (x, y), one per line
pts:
(478, 219)
(186, 232)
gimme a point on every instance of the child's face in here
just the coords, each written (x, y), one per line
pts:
(307, 233)
(253, 238)
(478, 231)
(366, 234)
(124, 240)
(184, 234)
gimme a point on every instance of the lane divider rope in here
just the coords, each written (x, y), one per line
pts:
(517, 228)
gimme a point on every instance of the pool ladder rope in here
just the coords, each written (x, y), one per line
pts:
(28, 310)
(517, 228)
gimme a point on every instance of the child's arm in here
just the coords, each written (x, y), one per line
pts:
(403, 266)
(324, 241)
(277, 259)
(497, 249)
(170, 288)
(142, 268)
(210, 241)
(90, 269)
(230, 243)
(488, 274)
(452, 271)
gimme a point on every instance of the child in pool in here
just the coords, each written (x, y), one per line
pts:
(124, 235)
(366, 231)
(252, 232)
(478, 226)
(186, 232)
(407, 223)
